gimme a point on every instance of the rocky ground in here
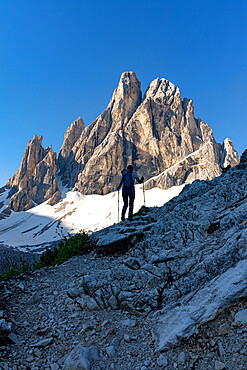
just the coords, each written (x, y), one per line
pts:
(167, 290)
(47, 323)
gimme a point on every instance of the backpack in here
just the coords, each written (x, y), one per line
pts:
(128, 181)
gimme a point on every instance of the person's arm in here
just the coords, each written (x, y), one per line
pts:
(119, 186)
(140, 180)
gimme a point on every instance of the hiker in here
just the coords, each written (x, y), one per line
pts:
(128, 191)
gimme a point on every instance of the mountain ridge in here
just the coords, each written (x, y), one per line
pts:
(153, 132)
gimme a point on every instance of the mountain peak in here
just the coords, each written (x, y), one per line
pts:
(35, 180)
(126, 97)
(70, 138)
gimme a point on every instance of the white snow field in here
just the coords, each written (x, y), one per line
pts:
(44, 224)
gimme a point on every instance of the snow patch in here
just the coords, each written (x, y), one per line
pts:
(75, 213)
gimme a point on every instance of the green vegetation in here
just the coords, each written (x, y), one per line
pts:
(67, 248)
(13, 272)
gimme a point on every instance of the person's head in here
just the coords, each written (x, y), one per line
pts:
(130, 168)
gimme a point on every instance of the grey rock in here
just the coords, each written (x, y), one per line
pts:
(14, 338)
(92, 305)
(162, 361)
(241, 317)
(219, 365)
(73, 293)
(29, 359)
(128, 322)
(37, 352)
(113, 302)
(182, 358)
(81, 358)
(43, 343)
(82, 301)
(89, 284)
(147, 362)
(5, 326)
(21, 287)
(111, 351)
(221, 350)
(224, 329)
(115, 342)
(54, 366)
(127, 338)
(34, 299)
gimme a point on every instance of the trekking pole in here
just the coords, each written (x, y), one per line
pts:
(118, 205)
(144, 194)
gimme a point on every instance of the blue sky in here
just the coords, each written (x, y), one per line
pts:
(63, 59)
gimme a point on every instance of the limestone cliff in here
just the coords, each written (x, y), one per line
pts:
(98, 156)
(228, 155)
(155, 134)
(66, 161)
(35, 181)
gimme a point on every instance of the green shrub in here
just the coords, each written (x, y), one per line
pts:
(51, 257)
(66, 249)
(14, 272)
(8, 275)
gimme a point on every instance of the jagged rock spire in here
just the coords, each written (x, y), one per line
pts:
(153, 134)
(70, 138)
(35, 181)
(92, 149)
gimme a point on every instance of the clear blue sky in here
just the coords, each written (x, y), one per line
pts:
(62, 59)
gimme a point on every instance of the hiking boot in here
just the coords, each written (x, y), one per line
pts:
(122, 218)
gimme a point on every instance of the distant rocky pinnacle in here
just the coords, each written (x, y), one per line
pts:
(35, 181)
(158, 134)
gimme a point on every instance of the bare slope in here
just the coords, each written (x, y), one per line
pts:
(186, 264)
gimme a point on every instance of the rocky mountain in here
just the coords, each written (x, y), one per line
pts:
(66, 162)
(158, 134)
(35, 181)
(154, 133)
(167, 290)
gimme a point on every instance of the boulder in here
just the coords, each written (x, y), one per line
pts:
(81, 358)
